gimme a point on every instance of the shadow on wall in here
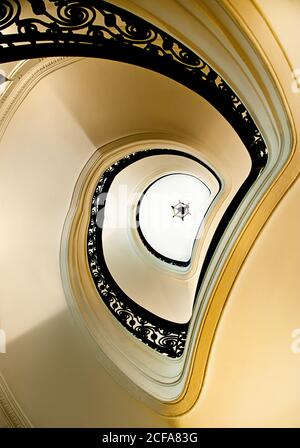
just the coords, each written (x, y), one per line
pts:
(57, 380)
(144, 101)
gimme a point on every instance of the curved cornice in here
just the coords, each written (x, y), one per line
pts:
(11, 410)
(26, 75)
(215, 28)
(250, 73)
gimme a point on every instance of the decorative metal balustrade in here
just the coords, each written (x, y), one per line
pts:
(96, 28)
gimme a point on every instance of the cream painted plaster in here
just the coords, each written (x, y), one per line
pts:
(253, 373)
(50, 368)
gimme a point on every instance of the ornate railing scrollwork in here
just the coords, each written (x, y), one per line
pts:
(96, 28)
(160, 334)
(101, 29)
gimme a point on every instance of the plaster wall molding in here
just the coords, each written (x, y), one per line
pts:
(222, 38)
(25, 77)
(10, 410)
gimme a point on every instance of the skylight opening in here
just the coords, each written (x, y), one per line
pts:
(170, 214)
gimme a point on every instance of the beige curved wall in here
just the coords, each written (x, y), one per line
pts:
(253, 373)
(283, 17)
(49, 366)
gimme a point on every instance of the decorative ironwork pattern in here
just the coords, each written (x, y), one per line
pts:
(160, 334)
(38, 28)
(95, 28)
